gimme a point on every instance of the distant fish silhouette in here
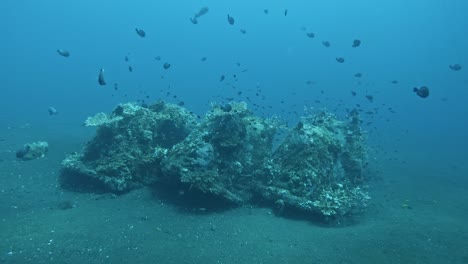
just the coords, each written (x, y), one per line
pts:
(230, 20)
(64, 53)
(101, 79)
(356, 43)
(455, 67)
(140, 32)
(422, 92)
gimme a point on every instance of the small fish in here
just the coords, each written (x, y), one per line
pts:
(311, 35)
(265, 11)
(394, 82)
(203, 59)
(353, 93)
(140, 32)
(23, 151)
(166, 65)
(194, 21)
(358, 75)
(222, 78)
(52, 111)
(326, 43)
(116, 87)
(285, 12)
(101, 79)
(230, 20)
(158, 58)
(126, 58)
(455, 67)
(64, 53)
(340, 60)
(370, 98)
(203, 11)
(356, 43)
(422, 92)
(243, 31)
(130, 68)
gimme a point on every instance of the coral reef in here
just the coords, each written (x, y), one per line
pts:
(129, 144)
(318, 168)
(223, 154)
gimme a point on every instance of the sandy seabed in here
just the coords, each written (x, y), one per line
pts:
(42, 223)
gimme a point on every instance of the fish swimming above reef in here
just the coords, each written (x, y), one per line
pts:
(52, 111)
(140, 32)
(166, 65)
(422, 91)
(230, 20)
(326, 44)
(310, 35)
(101, 79)
(340, 60)
(203, 11)
(63, 53)
(356, 43)
(455, 67)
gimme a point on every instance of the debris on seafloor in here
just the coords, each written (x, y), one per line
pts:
(33, 150)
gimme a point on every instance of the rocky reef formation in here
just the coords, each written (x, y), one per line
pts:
(224, 155)
(128, 146)
(228, 155)
(320, 167)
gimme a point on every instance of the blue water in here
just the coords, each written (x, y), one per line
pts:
(413, 42)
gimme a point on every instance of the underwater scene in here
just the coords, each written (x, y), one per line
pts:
(224, 132)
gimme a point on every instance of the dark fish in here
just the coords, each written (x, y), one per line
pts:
(64, 53)
(227, 107)
(166, 65)
(310, 35)
(326, 44)
(285, 12)
(422, 92)
(370, 98)
(222, 78)
(243, 31)
(157, 58)
(203, 59)
(140, 32)
(130, 68)
(455, 67)
(194, 21)
(101, 79)
(358, 75)
(230, 20)
(181, 103)
(340, 60)
(265, 11)
(353, 93)
(203, 11)
(394, 82)
(126, 58)
(356, 43)
(116, 86)
(23, 151)
(52, 111)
